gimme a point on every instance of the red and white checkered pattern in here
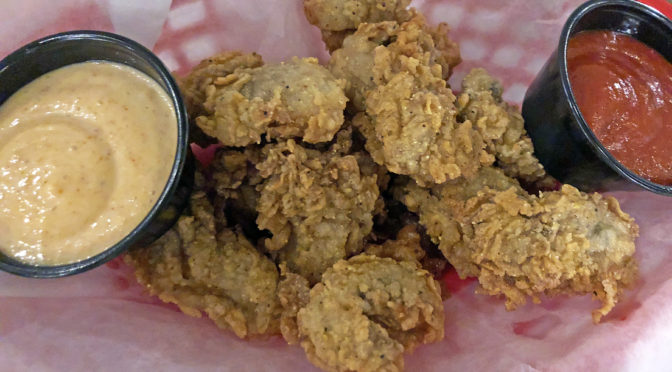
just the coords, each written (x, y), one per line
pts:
(101, 321)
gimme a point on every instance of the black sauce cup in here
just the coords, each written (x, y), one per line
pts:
(52, 52)
(563, 141)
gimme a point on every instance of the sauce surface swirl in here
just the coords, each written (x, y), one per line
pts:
(85, 152)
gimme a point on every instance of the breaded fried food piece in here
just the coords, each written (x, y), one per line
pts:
(446, 51)
(294, 294)
(318, 206)
(233, 168)
(405, 248)
(408, 246)
(349, 142)
(298, 98)
(338, 18)
(521, 245)
(196, 83)
(354, 62)
(500, 125)
(202, 268)
(410, 123)
(367, 312)
(234, 178)
(293, 290)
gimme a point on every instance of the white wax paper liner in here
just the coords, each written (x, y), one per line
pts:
(102, 320)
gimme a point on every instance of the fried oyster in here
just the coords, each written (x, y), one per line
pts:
(336, 19)
(500, 125)
(406, 247)
(521, 245)
(298, 98)
(216, 270)
(409, 119)
(234, 178)
(318, 206)
(195, 85)
(367, 311)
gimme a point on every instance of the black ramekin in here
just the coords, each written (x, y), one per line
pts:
(55, 51)
(563, 141)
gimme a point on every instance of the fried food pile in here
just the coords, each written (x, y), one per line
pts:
(338, 194)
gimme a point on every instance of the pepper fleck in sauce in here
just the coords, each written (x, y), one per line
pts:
(624, 91)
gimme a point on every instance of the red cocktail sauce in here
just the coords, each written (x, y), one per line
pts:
(624, 91)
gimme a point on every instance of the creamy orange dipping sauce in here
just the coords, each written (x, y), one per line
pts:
(85, 152)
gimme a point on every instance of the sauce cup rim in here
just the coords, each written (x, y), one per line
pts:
(597, 146)
(17, 267)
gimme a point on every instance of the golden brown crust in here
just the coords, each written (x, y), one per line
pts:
(500, 125)
(194, 85)
(405, 248)
(298, 98)
(520, 245)
(233, 177)
(318, 206)
(410, 121)
(446, 51)
(294, 294)
(201, 268)
(354, 62)
(334, 39)
(339, 18)
(367, 311)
